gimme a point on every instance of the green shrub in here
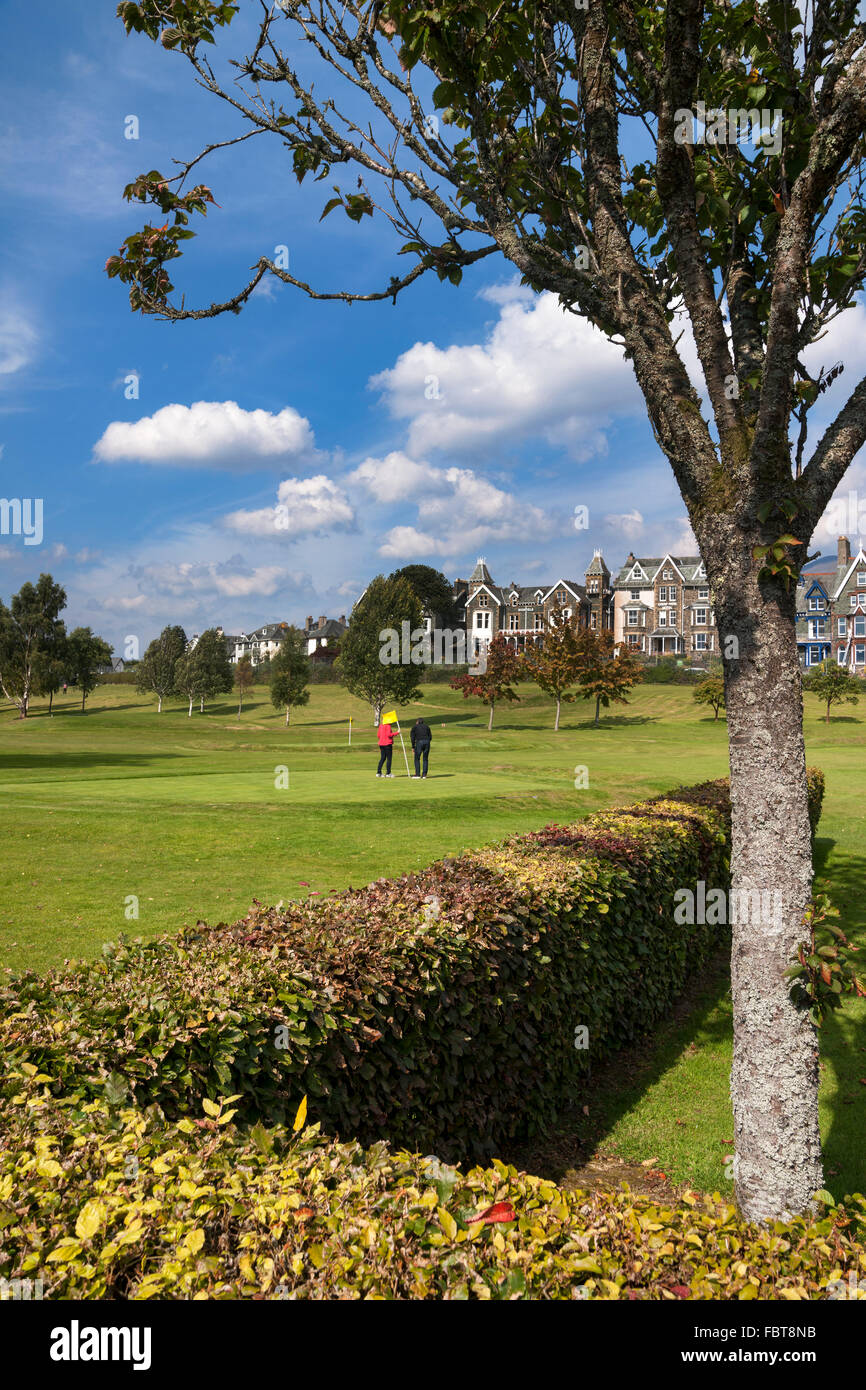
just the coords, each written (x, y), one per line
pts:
(107, 1202)
(439, 1010)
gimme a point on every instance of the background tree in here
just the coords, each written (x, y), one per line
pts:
(369, 667)
(559, 142)
(290, 671)
(215, 669)
(503, 667)
(710, 692)
(155, 672)
(554, 665)
(244, 680)
(606, 670)
(86, 655)
(30, 626)
(191, 677)
(52, 668)
(833, 685)
(433, 591)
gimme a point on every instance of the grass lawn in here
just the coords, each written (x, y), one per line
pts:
(185, 814)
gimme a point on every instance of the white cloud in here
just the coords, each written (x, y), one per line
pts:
(231, 578)
(631, 524)
(396, 477)
(455, 507)
(406, 542)
(541, 371)
(18, 339)
(209, 434)
(303, 505)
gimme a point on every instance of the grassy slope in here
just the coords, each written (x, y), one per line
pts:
(184, 813)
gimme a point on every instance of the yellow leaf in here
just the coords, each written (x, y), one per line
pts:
(90, 1218)
(191, 1243)
(210, 1108)
(300, 1118)
(65, 1250)
(447, 1222)
(49, 1168)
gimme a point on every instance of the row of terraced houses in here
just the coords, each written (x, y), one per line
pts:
(831, 609)
(661, 606)
(658, 605)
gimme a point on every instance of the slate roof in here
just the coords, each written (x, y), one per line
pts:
(688, 565)
(480, 574)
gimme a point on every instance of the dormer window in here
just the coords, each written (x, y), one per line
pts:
(861, 579)
(513, 598)
(482, 600)
(560, 596)
(668, 574)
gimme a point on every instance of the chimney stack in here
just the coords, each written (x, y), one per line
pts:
(843, 552)
(322, 620)
(343, 619)
(309, 622)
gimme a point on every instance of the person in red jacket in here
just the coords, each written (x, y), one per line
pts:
(386, 749)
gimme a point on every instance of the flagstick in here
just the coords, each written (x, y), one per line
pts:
(403, 746)
(350, 731)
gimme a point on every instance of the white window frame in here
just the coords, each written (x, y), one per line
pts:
(841, 627)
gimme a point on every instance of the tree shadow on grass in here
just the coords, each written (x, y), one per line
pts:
(48, 759)
(842, 1035)
(615, 1087)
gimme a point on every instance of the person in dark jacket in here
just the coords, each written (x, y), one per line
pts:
(421, 740)
(386, 750)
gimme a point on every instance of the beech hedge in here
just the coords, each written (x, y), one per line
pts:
(108, 1202)
(438, 1010)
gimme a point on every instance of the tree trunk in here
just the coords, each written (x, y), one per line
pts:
(189, 712)
(827, 716)
(288, 712)
(159, 705)
(201, 706)
(556, 722)
(50, 702)
(774, 1077)
(83, 698)
(377, 712)
(490, 720)
(597, 709)
(717, 708)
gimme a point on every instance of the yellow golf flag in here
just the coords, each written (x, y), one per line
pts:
(390, 717)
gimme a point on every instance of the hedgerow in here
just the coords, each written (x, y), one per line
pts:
(108, 1202)
(438, 1010)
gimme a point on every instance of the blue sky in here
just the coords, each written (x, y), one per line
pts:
(460, 422)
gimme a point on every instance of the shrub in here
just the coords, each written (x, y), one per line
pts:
(438, 1009)
(109, 1202)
